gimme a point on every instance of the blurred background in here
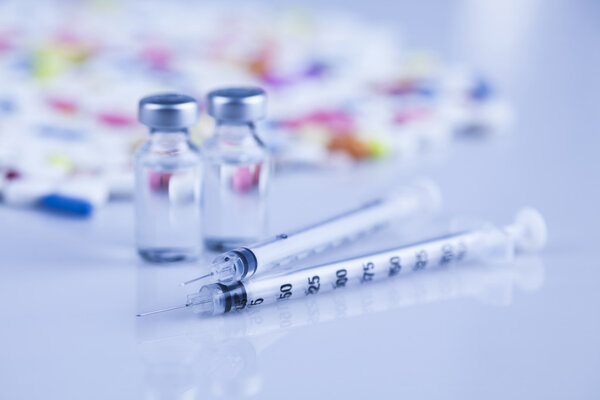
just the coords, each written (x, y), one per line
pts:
(496, 101)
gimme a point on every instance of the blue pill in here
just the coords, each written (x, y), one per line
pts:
(481, 90)
(67, 204)
(426, 91)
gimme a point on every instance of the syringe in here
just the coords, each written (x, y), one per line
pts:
(244, 262)
(492, 244)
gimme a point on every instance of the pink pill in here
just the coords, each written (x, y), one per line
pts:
(242, 179)
(66, 106)
(154, 180)
(116, 119)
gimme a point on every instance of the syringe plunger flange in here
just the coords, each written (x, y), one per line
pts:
(529, 230)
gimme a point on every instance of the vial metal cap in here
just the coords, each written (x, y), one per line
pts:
(237, 104)
(168, 111)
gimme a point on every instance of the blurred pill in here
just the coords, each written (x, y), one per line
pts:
(379, 148)
(353, 146)
(481, 90)
(183, 188)
(61, 161)
(63, 105)
(12, 174)
(66, 204)
(116, 119)
(242, 179)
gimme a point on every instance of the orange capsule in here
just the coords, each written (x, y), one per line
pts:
(351, 145)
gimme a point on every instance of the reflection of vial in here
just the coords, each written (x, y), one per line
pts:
(167, 174)
(237, 169)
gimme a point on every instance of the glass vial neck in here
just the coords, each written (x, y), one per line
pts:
(225, 127)
(237, 131)
(168, 137)
(169, 140)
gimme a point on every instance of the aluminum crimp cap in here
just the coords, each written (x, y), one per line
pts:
(168, 111)
(237, 104)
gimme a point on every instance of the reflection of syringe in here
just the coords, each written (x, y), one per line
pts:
(244, 262)
(528, 233)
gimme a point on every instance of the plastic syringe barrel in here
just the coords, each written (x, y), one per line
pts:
(346, 227)
(219, 298)
(244, 262)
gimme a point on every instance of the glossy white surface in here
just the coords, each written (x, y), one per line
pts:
(70, 289)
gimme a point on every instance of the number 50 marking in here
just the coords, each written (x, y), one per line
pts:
(286, 291)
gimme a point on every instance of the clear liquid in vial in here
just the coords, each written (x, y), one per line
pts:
(168, 208)
(234, 196)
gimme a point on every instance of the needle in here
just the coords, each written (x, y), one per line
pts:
(195, 279)
(159, 311)
(173, 308)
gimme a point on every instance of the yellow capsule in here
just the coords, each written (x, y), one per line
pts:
(62, 161)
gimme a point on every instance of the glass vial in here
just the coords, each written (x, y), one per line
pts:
(167, 179)
(237, 170)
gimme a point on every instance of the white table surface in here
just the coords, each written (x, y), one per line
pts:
(70, 289)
